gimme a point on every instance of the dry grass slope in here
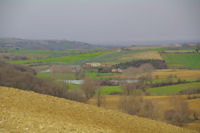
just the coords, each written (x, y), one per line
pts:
(29, 112)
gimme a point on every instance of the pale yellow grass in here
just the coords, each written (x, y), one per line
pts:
(165, 73)
(161, 104)
(186, 74)
(142, 55)
(28, 112)
(145, 47)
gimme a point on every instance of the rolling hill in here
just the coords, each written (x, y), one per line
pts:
(25, 111)
(45, 44)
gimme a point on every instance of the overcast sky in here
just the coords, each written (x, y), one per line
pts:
(101, 20)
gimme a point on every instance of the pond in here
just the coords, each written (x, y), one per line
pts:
(78, 82)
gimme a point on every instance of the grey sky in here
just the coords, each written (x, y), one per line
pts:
(101, 20)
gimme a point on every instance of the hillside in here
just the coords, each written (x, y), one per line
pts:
(45, 44)
(23, 111)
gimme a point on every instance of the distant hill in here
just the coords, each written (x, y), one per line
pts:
(45, 44)
(28, 112)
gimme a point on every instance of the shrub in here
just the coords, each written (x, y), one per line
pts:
(136, 105)
(76, 95)
(89, 87)
(180, 112)
(23, 78)
(157, 64)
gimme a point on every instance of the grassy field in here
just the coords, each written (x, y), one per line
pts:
(64, 59)
(165, 90)
(106, 90)
(173, 89)
(74, 86)
(57, 76)
(100, 75)
(44, 75)
(183, 60)
(161, 103)
(41, 53)
(124, 56)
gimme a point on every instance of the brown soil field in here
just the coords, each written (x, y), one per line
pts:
(29, 112)
(142, 55)
(161, 103)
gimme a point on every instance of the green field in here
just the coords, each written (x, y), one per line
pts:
(173, 89)
(173, 80)
(165, 90)
(183, 60)
(64, 59)
(106, 90)
(42, 53)
(57, 76)
(74, 86)
(44, 75)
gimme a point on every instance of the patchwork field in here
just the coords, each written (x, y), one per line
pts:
(143, 55)
(124, 56)
(22, 111)
(180, 73)
(173, 89)
(64, 59)
(164, 90)
(182, 60)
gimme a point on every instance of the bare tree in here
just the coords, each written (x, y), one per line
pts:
(100, 98)
(147, 68)
(132, 71)
(136, 105)
(59, 71)
(180, 112)
(128, 88)
(143, 73)
(131, 104)
(89, 87)
(79, 72)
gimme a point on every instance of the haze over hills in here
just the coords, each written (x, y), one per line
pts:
(130, 43)
(45, 44)
(66, 44)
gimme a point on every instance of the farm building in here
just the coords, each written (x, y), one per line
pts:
(94, 64)
(118, 70)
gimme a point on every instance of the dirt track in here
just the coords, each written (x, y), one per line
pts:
(28, 112)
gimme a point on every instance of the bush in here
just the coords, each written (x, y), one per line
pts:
(157, 64)
(89, 87)
(180, 112)
(76, 95)
(190, 91)
(196, 115)
(136, 105)
(22, 77)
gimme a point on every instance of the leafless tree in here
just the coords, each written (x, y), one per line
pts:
(89, 87)
(179, 113)
(136, 105)
(100, 98)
